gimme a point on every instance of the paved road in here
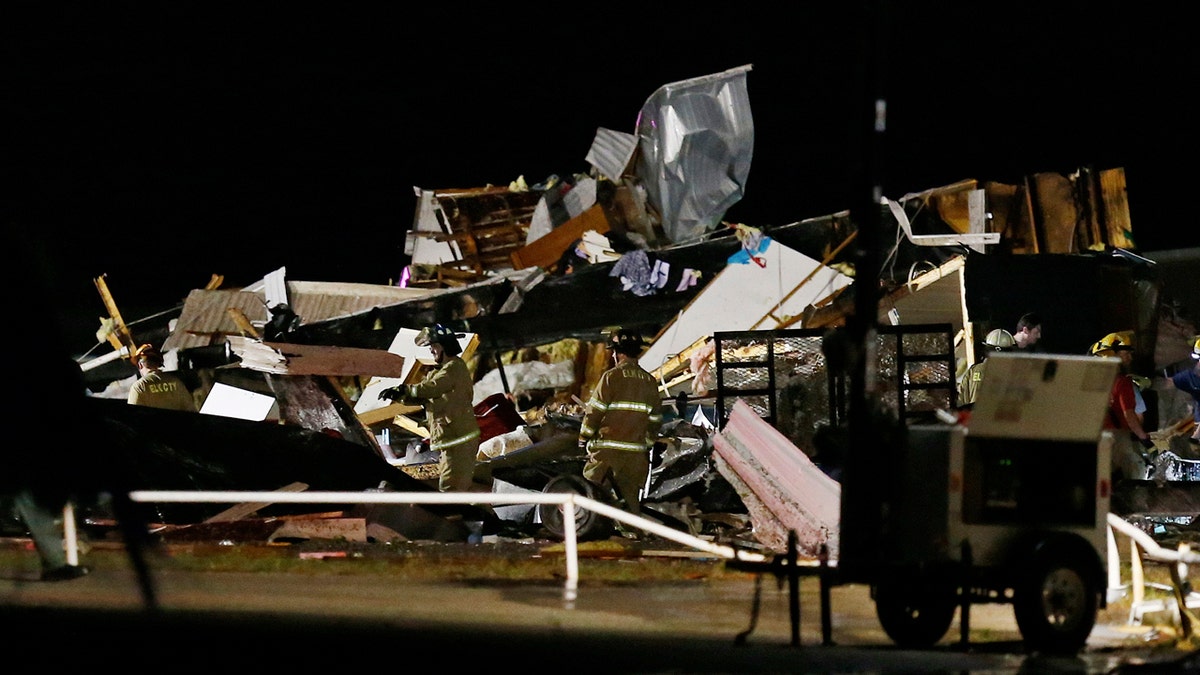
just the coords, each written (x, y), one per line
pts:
(215, 622)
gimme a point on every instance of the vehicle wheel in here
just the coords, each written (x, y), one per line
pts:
(1055, 605)
(589, 525)
(915, 616)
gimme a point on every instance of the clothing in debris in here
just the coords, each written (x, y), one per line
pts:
(620, 425)
(635, 271)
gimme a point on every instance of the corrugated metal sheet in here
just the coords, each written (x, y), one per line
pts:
(612, 153)
(205, 318)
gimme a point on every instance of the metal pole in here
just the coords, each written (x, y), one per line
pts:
(70, 541)
(571, 590)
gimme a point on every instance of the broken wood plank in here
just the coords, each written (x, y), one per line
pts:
(328, 360)
(546, 250)
(1055, 198)
(119, 336)
(408, 424)
(678, 362)
(248, 509)
(240, 320)
(372, 417)
(281, 358)
(1115, 198)
(342, 529)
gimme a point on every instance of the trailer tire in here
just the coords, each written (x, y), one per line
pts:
(1055, 602)
(589, 525)
(915, 615)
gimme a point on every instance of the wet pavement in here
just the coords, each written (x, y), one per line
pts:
(218, 621)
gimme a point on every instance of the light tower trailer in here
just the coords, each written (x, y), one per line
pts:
(1009, 507)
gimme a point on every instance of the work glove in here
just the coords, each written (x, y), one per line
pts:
(1146, 443)
(392, 394)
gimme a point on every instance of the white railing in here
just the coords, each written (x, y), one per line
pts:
(566, 501)
(1141, 545)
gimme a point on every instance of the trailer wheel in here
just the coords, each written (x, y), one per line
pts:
(589, 525)
(915, 615)
(1055, 604)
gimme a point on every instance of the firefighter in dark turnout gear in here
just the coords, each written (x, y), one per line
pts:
(621, 423)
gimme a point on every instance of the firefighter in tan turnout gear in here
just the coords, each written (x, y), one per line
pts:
(156, 387)
(446, 394)
(621, 423)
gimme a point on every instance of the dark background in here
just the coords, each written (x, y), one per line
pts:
(161, 143)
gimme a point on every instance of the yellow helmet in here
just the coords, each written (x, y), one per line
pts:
(1112, 343)
(1196, 348)
(149, 354)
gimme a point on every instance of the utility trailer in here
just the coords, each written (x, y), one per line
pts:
(1008, 507)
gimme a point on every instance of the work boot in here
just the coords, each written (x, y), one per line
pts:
(65, 573)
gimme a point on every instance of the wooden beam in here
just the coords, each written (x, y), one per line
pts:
(545, 251)
(337, 361)
(120, 335)
(678, 362)
(1115, 199)
(387, 412)
(240, 320)
(408, 424)
(248, 509)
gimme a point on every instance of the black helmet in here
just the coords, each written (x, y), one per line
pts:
(442, 336)
(625, 341)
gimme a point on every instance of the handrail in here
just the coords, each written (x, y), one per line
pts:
(1145, 546)
(567, 501)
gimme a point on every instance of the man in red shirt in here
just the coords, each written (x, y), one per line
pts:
(1132, 445)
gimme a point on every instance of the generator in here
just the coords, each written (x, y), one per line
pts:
(1005, 503)
(1008, 506)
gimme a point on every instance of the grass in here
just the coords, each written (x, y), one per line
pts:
(611, 560)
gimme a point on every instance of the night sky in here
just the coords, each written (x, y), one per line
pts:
(160, 143)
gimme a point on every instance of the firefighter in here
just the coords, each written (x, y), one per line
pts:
(446, 393)
(1132, 446)
(1188, 381)
(156, 387)
(621, 422)
(998, 340)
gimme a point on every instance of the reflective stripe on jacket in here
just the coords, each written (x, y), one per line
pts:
(625, 410)
(446, 394)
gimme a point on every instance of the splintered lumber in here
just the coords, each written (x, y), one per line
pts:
(291, 359)
(387, 412)
(239, 511)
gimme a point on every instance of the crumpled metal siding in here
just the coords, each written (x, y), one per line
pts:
(697, 140)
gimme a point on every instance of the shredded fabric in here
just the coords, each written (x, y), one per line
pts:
(634, 270)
